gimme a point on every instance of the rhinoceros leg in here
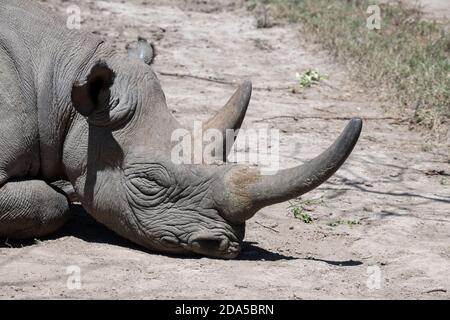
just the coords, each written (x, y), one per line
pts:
(31, 208)
(67, 188)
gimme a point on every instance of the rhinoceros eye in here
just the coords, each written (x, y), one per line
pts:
(147, 183)
(146, 186)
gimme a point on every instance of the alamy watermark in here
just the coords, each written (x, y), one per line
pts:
(74, 17)
(74, 277)
(252, 146)
(374, 278)
(373, 22)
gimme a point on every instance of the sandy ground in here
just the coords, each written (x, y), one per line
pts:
(395, 186)
(435, 9)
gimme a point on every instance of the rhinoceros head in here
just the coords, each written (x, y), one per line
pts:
(118, 157)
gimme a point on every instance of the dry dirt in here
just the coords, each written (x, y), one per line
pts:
(434, 9)
(392, 196)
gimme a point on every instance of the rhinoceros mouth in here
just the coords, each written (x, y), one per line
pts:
(214, 246)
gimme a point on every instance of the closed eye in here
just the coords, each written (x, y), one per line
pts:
(147, 187)
(151, 172)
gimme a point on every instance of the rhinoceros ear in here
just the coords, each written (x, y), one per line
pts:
(93, 93)
(144, 51)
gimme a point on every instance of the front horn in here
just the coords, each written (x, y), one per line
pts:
(250, 191)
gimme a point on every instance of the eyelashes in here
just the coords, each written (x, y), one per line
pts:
(147, 187)
(152, 172)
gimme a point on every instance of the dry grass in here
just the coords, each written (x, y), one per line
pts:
(409, 57)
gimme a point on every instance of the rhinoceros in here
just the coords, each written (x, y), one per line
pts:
(74, 109)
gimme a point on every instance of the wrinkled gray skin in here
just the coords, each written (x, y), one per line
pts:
(73, 109)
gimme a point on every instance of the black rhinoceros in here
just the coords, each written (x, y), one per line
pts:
(74, 109)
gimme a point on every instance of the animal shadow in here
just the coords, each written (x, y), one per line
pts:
(344, 263)
(251, 252)
(82, 226)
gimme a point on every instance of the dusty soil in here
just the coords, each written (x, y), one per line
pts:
(392, 196)
(434, 9)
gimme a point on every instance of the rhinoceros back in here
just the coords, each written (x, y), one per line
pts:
(40, 58)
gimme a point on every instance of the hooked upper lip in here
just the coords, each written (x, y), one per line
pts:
(214, 246)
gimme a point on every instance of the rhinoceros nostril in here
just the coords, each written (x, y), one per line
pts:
(224, 244)
(207, 244)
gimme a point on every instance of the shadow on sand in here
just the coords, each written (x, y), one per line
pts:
(84, 227)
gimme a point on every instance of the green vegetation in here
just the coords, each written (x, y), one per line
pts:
(407, 59)
(299, 213)
(299, 208)
(308, 78)
(343, 222)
